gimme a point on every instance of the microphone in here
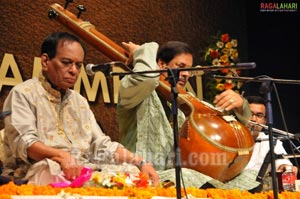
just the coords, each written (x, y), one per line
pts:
(264, 87)
(91, 69)
(245, 65)
(290, 135)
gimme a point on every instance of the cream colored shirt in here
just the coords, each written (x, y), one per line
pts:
(40, 113)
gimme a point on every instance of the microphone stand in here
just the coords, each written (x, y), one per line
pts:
(173, 76)
(267, 93)
(258, 79)
(266, 82)
(193, 70)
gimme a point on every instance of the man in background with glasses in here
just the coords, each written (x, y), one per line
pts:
(261, 147)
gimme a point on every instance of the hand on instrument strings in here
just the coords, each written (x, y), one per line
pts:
(229, 100)
(130, 47)
(69, 165)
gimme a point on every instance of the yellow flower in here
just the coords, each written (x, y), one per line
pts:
(234, 54)
(220, 87)
(228, 45)
(96, 177)
(224, 59)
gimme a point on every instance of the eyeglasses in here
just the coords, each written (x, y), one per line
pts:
(258, 115)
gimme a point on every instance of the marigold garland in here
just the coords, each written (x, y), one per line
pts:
(10, 189)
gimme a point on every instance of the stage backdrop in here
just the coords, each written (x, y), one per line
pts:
(24, 25)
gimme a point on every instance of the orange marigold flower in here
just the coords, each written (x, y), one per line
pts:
(224, 59)
(228, 85)
(6, 191)
(5, 196)
(234, 54)
(226, 51)
(143, 181)
(228, 45)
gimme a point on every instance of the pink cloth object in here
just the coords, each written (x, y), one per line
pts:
(60, 184)
(84, 176)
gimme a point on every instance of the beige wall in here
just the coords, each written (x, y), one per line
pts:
(24, 24)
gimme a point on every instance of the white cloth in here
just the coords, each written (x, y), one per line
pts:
(260, 151)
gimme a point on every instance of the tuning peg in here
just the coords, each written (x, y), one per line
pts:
(81, 9)
(67, 2)
(52, 14)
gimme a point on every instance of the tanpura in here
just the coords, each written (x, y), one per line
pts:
(212, 143)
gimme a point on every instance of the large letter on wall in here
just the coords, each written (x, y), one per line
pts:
(37, 67)
(91, 91)
(9, 60)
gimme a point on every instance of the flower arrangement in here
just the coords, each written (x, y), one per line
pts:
(118, 180)
(221, 52)
(10, 189)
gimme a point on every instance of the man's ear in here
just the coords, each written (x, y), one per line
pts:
(162, 64)
(44, 60)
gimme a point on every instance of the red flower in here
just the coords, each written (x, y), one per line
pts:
(214, 54)
(225, 38)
